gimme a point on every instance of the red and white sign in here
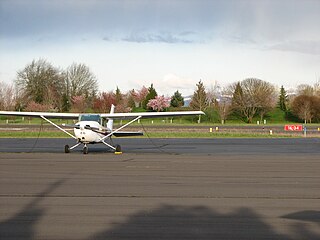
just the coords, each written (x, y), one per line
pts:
(293, 127)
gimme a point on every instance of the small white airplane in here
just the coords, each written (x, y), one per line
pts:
(90, 128)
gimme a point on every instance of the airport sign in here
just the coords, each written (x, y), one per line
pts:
(293, 127)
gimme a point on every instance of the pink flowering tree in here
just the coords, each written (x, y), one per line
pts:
(159, 103)
(103, 102)
(38, 107)
(140, 95)
(78, 104)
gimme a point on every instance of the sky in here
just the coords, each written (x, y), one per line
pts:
(171, 43)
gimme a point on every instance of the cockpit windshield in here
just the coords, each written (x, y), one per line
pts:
(90, 117)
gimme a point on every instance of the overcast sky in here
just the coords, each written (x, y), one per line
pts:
(170, 43)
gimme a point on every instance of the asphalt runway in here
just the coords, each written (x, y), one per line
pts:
(161, 189)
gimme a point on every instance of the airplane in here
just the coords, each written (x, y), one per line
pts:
(91, 128)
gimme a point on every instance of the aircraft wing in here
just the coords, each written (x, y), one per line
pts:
(150, 114)
(103, 115)
(39, 114)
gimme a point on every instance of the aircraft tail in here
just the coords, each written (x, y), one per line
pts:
(110, 121)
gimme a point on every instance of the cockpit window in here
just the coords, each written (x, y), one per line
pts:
(90, 117)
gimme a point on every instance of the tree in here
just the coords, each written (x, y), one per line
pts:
(122, 101)
(223, 106)
(317, 88)
(305, 89)
(237, 98)
(177, 100)
(118, 96)
(78, 104)
(152, 93)
(252, 96)
(66, 103)
(32, 106)
(212, 95)
(7, 97)
(199, 99)
(103, 102)
(266, 98)
(159, 103)
(40, 82)
(80, 81)
(283, 99)
(306, 107)
(131, 98)
(140, 96)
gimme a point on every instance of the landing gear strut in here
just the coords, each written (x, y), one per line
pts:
(85, 149)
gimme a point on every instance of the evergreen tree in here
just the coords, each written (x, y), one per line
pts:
(118, 96)
(177, 100)
(237, 97)
(152, 93)
(66, 105)
(283, 99)
(130, 98)
(237, 100)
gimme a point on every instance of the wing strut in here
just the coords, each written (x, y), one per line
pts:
(118, 129)
(52, 123)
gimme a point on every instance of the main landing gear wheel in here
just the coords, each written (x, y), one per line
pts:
(66, 149)
(85, 150)
(118, 148)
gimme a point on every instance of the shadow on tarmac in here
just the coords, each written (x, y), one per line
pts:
(22, 225)
(170, 222)
(198, 222)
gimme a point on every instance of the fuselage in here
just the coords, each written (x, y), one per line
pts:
(87, 135)
(88, 128)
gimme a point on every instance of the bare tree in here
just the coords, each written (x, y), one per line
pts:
(266, 97)
(7, 96)
(80, 81)
(306, 107)
(223, 106)
(305, 89)
(252, 96)
(40, 82)
(316, 88)
(199, 99)
(213, 94)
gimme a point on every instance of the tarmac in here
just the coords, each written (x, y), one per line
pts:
(161, 189)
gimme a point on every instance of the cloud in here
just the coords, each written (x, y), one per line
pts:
(165, 37)
(173, 81)
(185, 85)
(169, 83)
(106, 39)
(305, 47)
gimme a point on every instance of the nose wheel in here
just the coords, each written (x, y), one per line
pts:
(85, 149)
